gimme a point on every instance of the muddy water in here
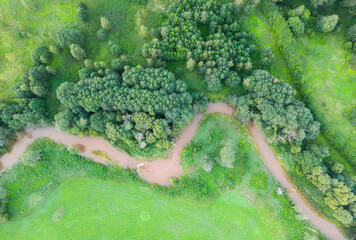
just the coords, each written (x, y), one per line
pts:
(162, 170)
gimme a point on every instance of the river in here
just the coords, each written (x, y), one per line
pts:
(162, 170)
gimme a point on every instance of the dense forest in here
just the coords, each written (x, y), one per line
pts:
(144, 106)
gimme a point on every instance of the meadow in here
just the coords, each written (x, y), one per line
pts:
(68, 195)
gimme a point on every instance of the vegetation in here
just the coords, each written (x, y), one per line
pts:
(60, 180)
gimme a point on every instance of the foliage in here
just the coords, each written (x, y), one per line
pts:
(296, 25)
(105, 24)
(67, 36)
(216, 54)
(275, 106)
(144, 106)
(41, 56)
(351, 33)
(327, 23)
(82, 12)
(317, 3)
(266, 56)
(77, 52)
(102, 34)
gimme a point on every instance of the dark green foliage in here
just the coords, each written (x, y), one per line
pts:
(327, 23)
(351, 33)
(266, 56)
(115, 48)
(82, 5)
(68, 36)
(213, 83)
(39, 77)
(118, 64)
(102, 34)
(141, 108)
(232, 80)
(296, 25)
(41, 56)
(218, 51)
(82, 14)
(275, 106)
(77, 52)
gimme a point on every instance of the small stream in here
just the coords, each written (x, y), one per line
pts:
(162, 170)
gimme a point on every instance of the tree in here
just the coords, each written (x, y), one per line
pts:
(343, 215)
(232, 80)
(227, 154)
(327, 23)
(68, 36)
(41, 56)
(105, 24)
(341, 195)
(266, 56)
(191, 64)
(102, 34)
(337, 167)
(296, 25)
(77, 52)
(213, 83)
(351, 33)
(317, 3)
(82, 14)
(115, 49)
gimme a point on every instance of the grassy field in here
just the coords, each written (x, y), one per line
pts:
(40, 19)
(132, 212)
(236, 203)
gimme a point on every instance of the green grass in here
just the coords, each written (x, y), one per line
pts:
(46, 17)
(237, 203)
(132, 212)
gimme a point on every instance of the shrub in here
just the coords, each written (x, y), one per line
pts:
(327, 23)
(351, 33)
(266, 56)
(105, 24)
(82, 14)
(68, 36)
(296, 25)
(102, 34)
(115, 49)
(58, 214)
(41, 56)
(77, 52)
(343, 215)
(213, 83)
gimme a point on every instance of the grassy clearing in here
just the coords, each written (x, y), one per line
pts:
(40, 19)
(130, 211)
(237, 203)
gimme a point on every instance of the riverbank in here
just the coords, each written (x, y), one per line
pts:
(161, 171)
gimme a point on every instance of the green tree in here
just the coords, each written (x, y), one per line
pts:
(77, 52)
(351, 33)
(68, 36)
(343, 215)
(266, 56)
(82, 14)
(228, 154)
(41, 56)
(102, 34)
(105, 24)
(296, 25)
(327, 23)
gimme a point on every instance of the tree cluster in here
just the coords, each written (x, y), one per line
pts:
(221, 49)
(142, 107)
(274, 105)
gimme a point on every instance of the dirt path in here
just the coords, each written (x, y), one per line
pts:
(161, 171)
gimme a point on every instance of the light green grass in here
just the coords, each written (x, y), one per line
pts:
(132, 212)
(332, 85)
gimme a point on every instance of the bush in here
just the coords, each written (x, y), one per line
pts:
(327, 23)
(105, 24)
(41, 56)
(77, 52)
(266, 56)
(67, 37)
(343, 215)
(102, 34)
(115, 49)
(351, 33)
(82, 14)
(213, 83)
(296, 25)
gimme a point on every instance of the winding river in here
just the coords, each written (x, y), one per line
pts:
(162, 170)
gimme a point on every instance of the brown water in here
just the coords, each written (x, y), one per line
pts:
(161, 171)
